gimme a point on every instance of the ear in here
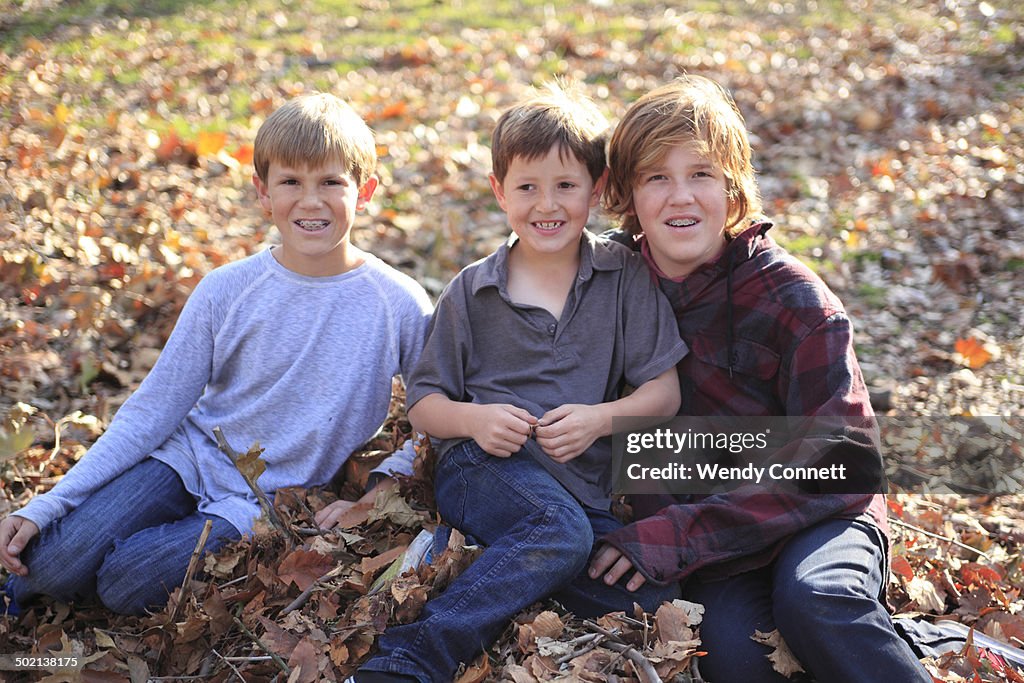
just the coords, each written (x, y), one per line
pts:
(499, 191)
(366, 192)
(262, 194)
(595, 196)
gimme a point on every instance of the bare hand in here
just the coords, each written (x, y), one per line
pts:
(15, 533)
(610, 561)
(329, 516)
(501, 429)
(568, 430)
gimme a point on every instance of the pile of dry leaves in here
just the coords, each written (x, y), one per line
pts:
(298, 604)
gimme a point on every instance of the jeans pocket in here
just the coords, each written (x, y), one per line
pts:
(451, 486)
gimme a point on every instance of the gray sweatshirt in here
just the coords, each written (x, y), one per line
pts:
(301, 364)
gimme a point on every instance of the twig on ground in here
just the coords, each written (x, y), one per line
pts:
(616, 644)
(304, 595)
(940, 537)
(232, 582)
(186, 583)
(261, 645)
(260, 494)
(227, 660)
(603, 631)
(589, 642)
(643, 665)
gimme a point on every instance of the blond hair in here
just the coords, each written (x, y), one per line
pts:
(312, 130)
(691, 111)
(559, 116)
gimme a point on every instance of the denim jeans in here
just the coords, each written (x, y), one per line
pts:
(128, 545)
(823, 595)
(537, 542)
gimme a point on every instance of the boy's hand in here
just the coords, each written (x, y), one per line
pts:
(610, 561)
(15, 533)
(501, 429)
(568, 430)
(327, 518)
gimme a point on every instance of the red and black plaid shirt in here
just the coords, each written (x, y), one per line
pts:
(769, 339)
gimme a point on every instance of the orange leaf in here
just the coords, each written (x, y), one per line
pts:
(210, 143)
(170, 144)
(393, 110)
(973, 352)
(243, 154)
(901, 567)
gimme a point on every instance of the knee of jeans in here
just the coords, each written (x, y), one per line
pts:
(811, 609)
(126, 599)
(125, 591)
(569, 539)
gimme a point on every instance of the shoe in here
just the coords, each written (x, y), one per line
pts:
(419, 553)
(1014, 656)
(379, 677)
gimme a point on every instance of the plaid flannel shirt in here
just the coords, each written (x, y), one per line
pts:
(767, 338)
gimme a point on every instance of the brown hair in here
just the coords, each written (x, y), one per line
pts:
(558, 116)
(691, 110)
(312, 130)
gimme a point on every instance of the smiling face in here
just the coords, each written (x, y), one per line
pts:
(314, 208)
(681, 205)
(548, 201)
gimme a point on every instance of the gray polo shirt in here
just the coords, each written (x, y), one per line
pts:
(616, 328)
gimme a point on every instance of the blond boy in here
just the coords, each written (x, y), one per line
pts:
(294, 347)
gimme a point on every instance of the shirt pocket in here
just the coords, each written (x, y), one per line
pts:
(748, 357)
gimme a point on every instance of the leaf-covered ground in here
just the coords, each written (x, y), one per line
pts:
(889, 139)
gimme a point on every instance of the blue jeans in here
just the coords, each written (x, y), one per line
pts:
(127, 545)
(537, 542)
(823, 595)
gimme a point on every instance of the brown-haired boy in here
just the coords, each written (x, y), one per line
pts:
(521, 374)
(767, 338)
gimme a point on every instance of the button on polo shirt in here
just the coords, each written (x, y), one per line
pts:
(484, 348)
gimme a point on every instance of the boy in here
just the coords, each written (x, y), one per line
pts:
(256, 341)
(767, 338)
(520, 377)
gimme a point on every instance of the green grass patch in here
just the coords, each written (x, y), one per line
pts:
(871, 294)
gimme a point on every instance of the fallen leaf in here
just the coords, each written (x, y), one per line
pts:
(781, 657)
(303, 568)
(926, 595)
(972, 352)
(209, 144)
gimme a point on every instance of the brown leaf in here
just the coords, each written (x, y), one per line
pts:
(371, 565)
(410, 597)
(673, 622)
(276, 638)
(547, 624)
(250, 464)
(477, 672)
(354, 516)
(390, 505)
(673, 657)
(304, 662)
(782, 657)
(303, 568)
